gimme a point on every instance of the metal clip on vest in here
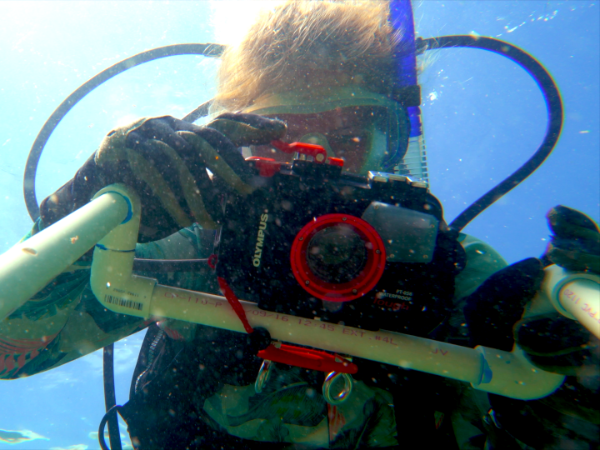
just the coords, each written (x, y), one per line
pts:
(307, 358)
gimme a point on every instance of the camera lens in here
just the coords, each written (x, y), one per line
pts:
(336, 254)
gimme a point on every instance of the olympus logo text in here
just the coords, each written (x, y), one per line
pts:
(260, 240)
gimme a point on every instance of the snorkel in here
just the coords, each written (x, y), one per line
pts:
(407, 92)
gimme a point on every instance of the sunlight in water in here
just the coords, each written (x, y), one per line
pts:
(231, 19)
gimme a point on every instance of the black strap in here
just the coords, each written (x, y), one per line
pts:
(414, 417)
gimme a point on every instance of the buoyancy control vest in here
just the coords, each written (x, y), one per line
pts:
(174, 378)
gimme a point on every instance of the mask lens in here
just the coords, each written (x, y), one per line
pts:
(361, 135)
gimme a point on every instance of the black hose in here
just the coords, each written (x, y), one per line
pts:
(112, 411)
(553, 103)
(59, 113)
(110, 401)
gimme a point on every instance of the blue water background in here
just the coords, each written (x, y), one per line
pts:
(483, 117)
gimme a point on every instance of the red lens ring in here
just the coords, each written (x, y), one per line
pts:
(342, 292)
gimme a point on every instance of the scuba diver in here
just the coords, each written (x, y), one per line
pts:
(321, 73)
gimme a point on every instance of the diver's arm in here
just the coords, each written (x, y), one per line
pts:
(551, 342)
(165, 160)
(64, 321)
(482, 261)
(27, 333)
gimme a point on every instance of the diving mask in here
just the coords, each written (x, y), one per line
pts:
(367, 130)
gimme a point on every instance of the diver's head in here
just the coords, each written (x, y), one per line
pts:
(366, 129)
(326, 68)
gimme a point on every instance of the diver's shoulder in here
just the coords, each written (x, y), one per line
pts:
(477, 248)
(482, 261)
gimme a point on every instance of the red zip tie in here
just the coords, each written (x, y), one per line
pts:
(307, 358)
(316, 151)
(235, 304)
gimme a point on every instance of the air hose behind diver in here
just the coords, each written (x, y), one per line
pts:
(541, 76)
(551, 97)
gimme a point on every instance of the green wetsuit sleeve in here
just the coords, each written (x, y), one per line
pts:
(189, 243)
(482, 261)
(64, 321)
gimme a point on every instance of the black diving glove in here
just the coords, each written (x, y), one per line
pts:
(165, 160)
(554, 342)
(575, 242)
(551, 342)
(493, 309)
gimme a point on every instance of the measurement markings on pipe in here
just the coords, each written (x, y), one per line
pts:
(386, 339)
(316, 324)
(126, 303)
(267, 314)
(585, 307)
(195, 299)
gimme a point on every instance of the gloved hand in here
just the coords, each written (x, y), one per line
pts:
(494, 308)
(165, 160)
(551, 342)
(554, 342)
(575, 243)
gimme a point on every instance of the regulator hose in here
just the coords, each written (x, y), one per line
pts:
(551, 97)
(211, 50)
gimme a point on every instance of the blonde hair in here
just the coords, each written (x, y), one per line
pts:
(308, 44)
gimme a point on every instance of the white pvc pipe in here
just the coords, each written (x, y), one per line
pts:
(581, 298)
(29, 266)
(495, 371)
(402, 350)
(575, 295)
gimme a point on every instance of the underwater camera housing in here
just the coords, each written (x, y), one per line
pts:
(371, 252)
